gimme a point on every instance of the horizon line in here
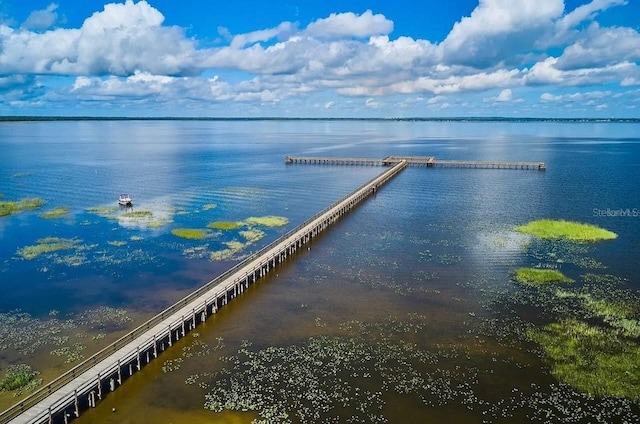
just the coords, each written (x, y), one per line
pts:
(18, 118)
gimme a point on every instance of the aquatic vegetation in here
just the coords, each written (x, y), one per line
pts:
(73, 260)
(618, 313)
(252, 236)
(161, 215)
(341, 378)
(561, 229)
(103, 317)
(225, 225)
(540, 276)
(47, 245)
(221, 255)
(267, 221)
(54, 213)
(117, 243)
(71, 353)
(108, 212)
(137, 214)
(19, 377)
(209, 206)
(136, 238)
(146, 219)
(196, 252)
(594, 360)
(190, 233)
(26, 204)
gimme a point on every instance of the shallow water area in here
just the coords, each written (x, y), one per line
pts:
(405, 310)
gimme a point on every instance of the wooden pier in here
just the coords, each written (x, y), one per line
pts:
(86, 384)
(428, 161)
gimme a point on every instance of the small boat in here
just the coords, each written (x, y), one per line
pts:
(125, 200)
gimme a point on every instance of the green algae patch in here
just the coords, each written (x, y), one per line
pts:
(540, 276)
(26, 204)
(137, 214)
(190, 233)
(267, 221)
(55, 213)
(19, 377)
(591, 359)
(225, 225)
(47, 245)
(568, 230)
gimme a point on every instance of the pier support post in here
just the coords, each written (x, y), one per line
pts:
(99, 387)
(77, 406)
(139, 361)
(119, 373)
(112, 384)
(170, 337)
(155, 347)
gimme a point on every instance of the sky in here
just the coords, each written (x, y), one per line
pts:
(309, 58)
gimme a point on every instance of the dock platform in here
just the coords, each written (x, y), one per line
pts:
(427, 161)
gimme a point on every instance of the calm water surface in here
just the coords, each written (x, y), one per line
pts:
(410, 294)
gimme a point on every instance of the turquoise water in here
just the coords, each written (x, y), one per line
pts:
(427, 261)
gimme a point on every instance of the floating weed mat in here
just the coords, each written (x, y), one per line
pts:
(267, 221)
(232, 249)
(190, 233)
(20, 379)
(225, 225)
(55, 213)
(593, 359)
(568, 230)
(14, 207)
(540, 276)
(52, 251)
(48, 245)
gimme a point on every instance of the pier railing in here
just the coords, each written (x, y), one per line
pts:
(42, 393)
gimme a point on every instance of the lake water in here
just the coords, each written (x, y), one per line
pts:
(404, 311)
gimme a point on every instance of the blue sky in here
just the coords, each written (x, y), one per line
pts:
(352, 58)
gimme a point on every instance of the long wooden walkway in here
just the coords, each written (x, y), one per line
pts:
(86, 384)
(428, 161)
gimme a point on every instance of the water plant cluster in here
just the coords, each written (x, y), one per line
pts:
(592, 342)
(540, 276)
(22, 333)
(19, 378)
(340, 378)
(48, 245)
(14, 207)
(248, 235)
(58, 212)
(568, 230)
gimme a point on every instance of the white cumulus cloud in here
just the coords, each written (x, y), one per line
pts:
(349, 24)
(42, 19)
